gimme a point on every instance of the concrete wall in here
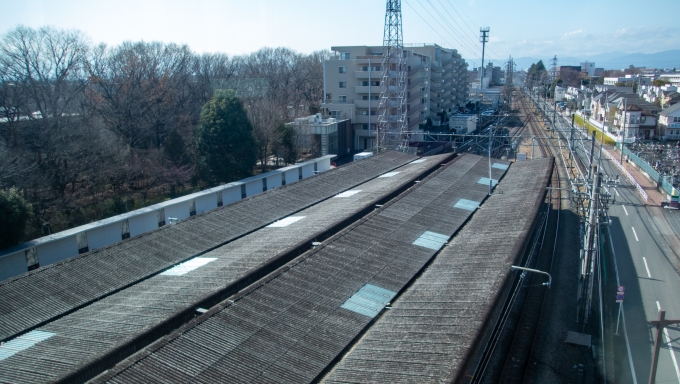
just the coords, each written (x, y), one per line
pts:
(62, 245)
(104, 235)
(12, 265)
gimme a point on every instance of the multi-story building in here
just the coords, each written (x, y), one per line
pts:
(672, 78)
(588, 68)
(629, 80)
(436, 87)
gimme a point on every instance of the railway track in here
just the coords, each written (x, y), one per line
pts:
(507, 355)
(524, 339)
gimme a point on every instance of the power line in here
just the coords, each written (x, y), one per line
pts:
(471, 30)
(428, 24)
(449, 23)
(435, 19)
(440, 24)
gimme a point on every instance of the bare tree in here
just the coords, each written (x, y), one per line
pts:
(141, 90)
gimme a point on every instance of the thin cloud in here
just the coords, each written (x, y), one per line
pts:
(580, 43)
(572, 33)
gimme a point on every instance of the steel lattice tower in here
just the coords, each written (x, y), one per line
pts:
(510, 69)
(392, 110)
(553, 68)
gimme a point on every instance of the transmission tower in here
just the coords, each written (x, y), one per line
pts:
(553, 68)
(483, 38)
(392, 123)
(510, 69)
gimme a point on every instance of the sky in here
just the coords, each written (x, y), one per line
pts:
(527, 28)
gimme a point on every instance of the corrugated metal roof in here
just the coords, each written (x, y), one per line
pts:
(430, 332)
(500, 166)
(130, 314)
(389, 174)
(46, 293)
(289, 327)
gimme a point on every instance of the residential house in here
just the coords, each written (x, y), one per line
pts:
(634, 117)
(669, 123)
(668, 98)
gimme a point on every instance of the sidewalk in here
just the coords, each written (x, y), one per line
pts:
(654, 195)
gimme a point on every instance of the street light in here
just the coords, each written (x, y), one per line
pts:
(548, 283)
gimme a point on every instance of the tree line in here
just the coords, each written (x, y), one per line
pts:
(88, 131)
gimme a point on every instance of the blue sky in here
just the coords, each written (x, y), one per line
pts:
(526, 28)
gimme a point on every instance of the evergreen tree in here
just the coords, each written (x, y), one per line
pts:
(225, 144)
(15, 212)
(285, 143)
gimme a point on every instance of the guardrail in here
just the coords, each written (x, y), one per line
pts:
(630, 178)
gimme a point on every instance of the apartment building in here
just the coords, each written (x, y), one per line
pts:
(436, 86)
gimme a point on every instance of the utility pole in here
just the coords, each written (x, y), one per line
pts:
(660, 325)
(586, 286)
(571, 138)
(483, 38)
(490, 145)
(592, 151)
(571, 142)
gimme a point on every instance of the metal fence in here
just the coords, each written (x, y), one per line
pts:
(653, 173)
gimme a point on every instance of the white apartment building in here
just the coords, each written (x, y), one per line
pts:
(437, 82)
(673, 78)
(629, 80)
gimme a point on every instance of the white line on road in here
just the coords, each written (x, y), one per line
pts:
(624, 209)
(623, 313)
(670, 347)
(635, 233)
(647, 267)
(617, 192)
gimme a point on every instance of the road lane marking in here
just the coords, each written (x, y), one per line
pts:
(670, 346)
(617, 192)
(647, 268)
(625, 210)
(635, 233)
(623, 313)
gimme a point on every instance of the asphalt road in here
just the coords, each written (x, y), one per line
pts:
(645, 244)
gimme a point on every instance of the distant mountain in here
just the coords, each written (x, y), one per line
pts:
(665, 59)
(606, 60)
